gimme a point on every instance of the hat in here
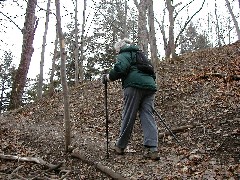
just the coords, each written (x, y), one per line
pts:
(121, 43)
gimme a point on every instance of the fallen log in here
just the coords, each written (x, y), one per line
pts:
(31, 159)
(176, 130)
(109, 172)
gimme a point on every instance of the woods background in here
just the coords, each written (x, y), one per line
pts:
(166, 29)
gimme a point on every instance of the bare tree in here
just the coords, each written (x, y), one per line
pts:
(124, 34)
(234, 18)
(82, 42)
(76, 54)
(40, 83)
(55, 54)
(172, 43)
(142, 25)
(63, 78)
(20, 78)
(217, 26)
(152, 34)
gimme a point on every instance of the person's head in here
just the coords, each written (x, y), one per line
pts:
(124, 42)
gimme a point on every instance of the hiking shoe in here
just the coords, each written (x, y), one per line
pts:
(153, 155)
(118, 150)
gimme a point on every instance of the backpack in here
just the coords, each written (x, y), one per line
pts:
(143, 64)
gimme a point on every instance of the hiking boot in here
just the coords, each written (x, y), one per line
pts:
(118, 150)
(153, 155)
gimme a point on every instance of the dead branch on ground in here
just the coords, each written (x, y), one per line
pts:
(176, 130)
(31, 159)
(109, 172)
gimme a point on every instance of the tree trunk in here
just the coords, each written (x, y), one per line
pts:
(20, 78)
(217, 26)
(76, 46)
(152, 34)
(82, 43)
(171, 44)
(55, 54)
(40, 83)
(63, 78)
(233, 18)
(142, 23)
(124, 34)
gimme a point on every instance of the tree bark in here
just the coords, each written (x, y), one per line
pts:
(217, 26)
(124, 34)
(152, 34)
(142, 23)
(20, 78)
(55, 54)
(171, 44)
(40, 83)
(82, 43)
(233, 18)
(76, 54)
(63, 78)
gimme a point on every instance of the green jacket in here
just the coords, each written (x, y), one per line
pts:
(129, 74)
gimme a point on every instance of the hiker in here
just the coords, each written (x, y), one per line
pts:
(139, 93)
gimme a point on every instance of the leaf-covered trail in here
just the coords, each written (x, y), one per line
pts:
(190, 93)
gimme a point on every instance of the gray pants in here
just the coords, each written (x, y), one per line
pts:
(141, 100)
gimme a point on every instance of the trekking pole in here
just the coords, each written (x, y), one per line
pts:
(106, 113)
(161, 119)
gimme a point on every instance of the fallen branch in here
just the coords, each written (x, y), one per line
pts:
(109, 172)
(31, 159)
(15, 174)
(176, 130)
(222, 75)
(67, 172)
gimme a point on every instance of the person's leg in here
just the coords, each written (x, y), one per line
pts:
(149, 125)
(132, 98)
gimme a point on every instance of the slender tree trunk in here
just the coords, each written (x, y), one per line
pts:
(233, 18)
(142, 23)
(40, 83)
(2, 92)
(76, 45)
(63, 78)
(124, 34)
(217, 26)
(82, 43)
(20, 78)
(152, 34)
(55, 54)
(171, 44)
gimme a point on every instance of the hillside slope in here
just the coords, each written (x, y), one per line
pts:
(198, 91)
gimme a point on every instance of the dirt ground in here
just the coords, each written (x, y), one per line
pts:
(198, 97)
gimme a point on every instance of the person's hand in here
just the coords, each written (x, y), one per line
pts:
(105, 78)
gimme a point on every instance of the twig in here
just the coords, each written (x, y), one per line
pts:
(20, 177)
(14, 173)
(15, 170)
(65, 175)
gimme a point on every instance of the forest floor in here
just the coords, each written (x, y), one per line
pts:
(198, 98)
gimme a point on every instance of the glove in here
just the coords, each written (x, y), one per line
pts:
(105, 78)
